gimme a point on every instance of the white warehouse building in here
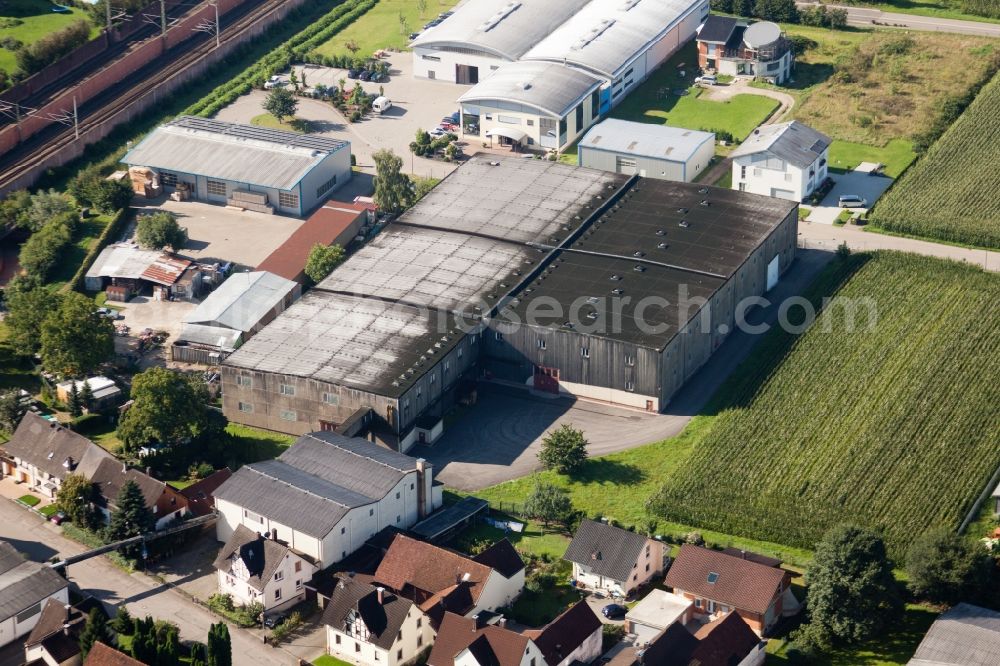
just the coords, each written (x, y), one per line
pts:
(651, 151)
(242, 165)
(326, 495)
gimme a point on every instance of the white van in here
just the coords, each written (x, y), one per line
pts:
(381, 104)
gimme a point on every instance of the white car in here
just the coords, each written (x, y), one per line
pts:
(274, 82)
(707, 79)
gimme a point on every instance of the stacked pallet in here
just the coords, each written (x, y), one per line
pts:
(247, 200)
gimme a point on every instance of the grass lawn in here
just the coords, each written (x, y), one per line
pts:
(726, 181)
(654, 102)
(328, 660)
(896, 155)
(535, 538)
(252, 445)
(16, 371)
(893, 647)
(181, 484)
(29, 500)
(291, 125)
(36, 20)
(538, 608)
(946, 9)
(84, 238)
(48, 510)
(379, 28)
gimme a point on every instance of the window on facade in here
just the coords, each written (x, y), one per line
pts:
(168, 179)
(579, 117)
(399, 654)
(530, 122)
(585, 352)
(326, 187)
(336, 639)
(647, 567)
(595, 103)
(28, 613)
(743, 171)
(398, 518)
(244, 380)
(420, 621)
(371, 512)
(246, 407)
(431, 58)
(541, 343)
(357, 647)
(279, 575)
(343, 530)
(298, 567)
(629, 360)
(562, 126)
(697, 603)
(288, 415)
(397, 495)
(286, 389)
(508, 120)
(331, 398)
(399, 635)
(216, 188)
(376, 656)
(420, 641)
(629, 386)
(253, 516)
(277, 594)
(288, 200)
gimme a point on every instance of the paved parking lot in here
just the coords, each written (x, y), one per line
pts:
(417, 104)
(220, 234)
(853, 182)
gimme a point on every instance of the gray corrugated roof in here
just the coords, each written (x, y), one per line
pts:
(793, 142)
(552, 88)
(216, 336)
(229, 151)
(24, 583)
(606, 35)
(966, 635)
(606, 550)
(313, 484)
(242, 300)
(123, 260)
(520, 29)
(660, 142)
(48, 446)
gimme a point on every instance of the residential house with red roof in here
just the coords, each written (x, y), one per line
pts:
(719, 583)
(102, 655)
(727, 641)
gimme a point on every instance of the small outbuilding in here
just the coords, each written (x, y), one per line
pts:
(125, 270)
(651, 151)
(104, 391)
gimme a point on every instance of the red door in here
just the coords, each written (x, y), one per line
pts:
(546, 379)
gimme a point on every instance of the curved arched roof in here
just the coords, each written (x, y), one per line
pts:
(552, 89)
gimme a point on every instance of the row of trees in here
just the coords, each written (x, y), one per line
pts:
(784, 11)
(34, 57)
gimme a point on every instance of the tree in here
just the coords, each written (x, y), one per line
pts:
(52, 47)
(404, 25)
(26, 310)
(548, 504)
(94, 631)
(75, 339)
(281, 104)
(782, 11)
(41, 252)
(11, 410)
(130, 518)
(353, 47)
(322, 260)
(90, 188)
(294, 80)
(160, 230)
(220, 650)
(75, 498)
(13, 208)
(75, 408)
(393, 190)
(45, 206)
(421, 8)
(564, 449)
(945, 567)
(122, 624)
(144, 640)
(86, 396)
(167, 407)
(168, 646)
(421, 145)
(851, 593)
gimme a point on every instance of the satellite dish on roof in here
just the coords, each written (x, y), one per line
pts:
(761, 34)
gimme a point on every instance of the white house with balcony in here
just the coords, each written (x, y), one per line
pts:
(785, 160)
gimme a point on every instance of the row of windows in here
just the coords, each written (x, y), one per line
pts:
(216, 188)
(168, 179)
(326, 187)
(288, 200)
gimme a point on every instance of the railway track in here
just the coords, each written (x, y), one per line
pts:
(41, 147)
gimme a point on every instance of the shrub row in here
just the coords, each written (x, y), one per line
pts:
(110, 232)
(293, 50)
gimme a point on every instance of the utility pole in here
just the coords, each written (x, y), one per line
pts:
(107, 13)
(163, 17)
(216, 5)
(76, 119)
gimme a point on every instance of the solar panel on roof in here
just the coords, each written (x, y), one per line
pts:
(259, 133)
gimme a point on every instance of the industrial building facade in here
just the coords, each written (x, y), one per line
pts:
(447, 294)
(242, 165)
(647, 150)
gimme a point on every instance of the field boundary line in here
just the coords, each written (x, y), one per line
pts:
(994, 480)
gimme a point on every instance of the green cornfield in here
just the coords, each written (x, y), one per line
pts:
(895, 426)
(951, 193)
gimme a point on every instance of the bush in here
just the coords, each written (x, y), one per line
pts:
(283, 630)
(160, 230)
(90, 188)
(41, 252)
(52, 47)
(611, 635)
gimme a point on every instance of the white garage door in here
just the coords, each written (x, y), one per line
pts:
(772, 273)
(782, 194)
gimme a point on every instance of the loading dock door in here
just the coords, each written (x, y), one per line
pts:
(772, 273)
(466, 74)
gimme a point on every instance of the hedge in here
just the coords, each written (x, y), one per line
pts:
(110, 231)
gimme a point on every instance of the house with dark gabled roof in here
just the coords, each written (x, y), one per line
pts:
(441, 580)
(573, 637)
(55, 640)
(720, 583)
(254, 567)
(327, 495)
(783, 160)
(368, 625)
(44, 453)
(613, 560)
(25, 587)
(110, 475)
(728, 641)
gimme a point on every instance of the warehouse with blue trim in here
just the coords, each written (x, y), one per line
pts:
(255, 168)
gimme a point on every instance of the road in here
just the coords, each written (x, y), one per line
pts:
(868, 18)
(27, 532)
(827, 237)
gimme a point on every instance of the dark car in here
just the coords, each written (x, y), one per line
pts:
(272, 621)
(414, 35)
(58, 517)
(453, 118)
(614, 611)
(376, 77)
(365, 76)
(353, 73)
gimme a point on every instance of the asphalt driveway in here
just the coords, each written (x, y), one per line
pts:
(853, 182)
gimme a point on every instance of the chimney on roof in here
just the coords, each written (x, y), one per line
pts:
(478, 621)
(424, 495)
(66, 628)
(502, 622)
(380, 592)
(274, 534)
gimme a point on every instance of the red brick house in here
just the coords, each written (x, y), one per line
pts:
(720, 582)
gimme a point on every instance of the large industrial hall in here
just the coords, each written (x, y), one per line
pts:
(396, 334)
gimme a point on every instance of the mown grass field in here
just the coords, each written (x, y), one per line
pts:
(896, 155)
(379, 28)
(951, 194)
(654, 102)
(36, 20)
(894, 427)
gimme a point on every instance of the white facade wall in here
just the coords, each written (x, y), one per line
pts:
(36, 478)
(499, 591)
(762, 173)
(38, 652)
(502, 114)
(11, 629)
(531, 654)
(285, 588)
(587, 651)
(442, 65)
(399, 508)
(416, 632)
